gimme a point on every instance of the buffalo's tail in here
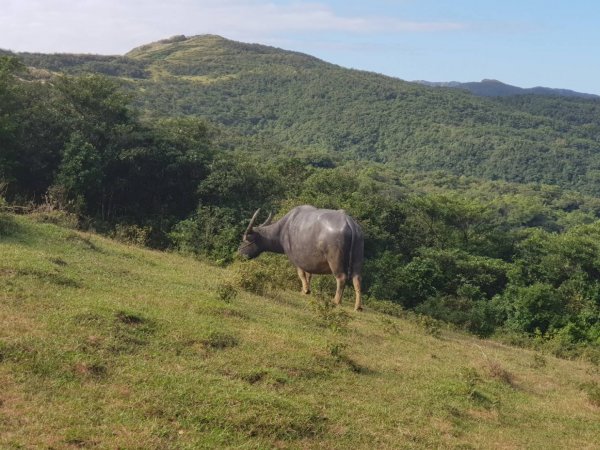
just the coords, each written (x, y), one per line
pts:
(350, 262)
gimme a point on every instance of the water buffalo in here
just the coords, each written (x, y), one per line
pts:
(316, 241)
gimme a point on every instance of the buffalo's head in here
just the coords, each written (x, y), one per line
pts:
(251, 242)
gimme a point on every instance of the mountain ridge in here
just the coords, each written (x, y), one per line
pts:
(491, 88)
(486, 87)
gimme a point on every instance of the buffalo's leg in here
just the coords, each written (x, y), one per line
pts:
(305, 279)
(341, 283)
(356, 279)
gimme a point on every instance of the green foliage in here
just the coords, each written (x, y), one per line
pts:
(132, 234)
(7, 225)
(266, 274)
(288, 129)
(300, 102)
(220, 340)
(80, 172)
(210, 231)
(328, 315)
(55, 216)
(535, 307)
(593, 392)
(227, 292)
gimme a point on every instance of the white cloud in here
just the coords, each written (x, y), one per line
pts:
(115, 26)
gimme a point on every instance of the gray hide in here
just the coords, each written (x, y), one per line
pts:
(316, 241)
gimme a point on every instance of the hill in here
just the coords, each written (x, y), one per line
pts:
(284, 102)
(495, 88)
(107, 345)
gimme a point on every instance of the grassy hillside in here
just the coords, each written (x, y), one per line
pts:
(105, 345)
(299, 102)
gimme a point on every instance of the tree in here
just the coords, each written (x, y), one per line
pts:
(80, 173)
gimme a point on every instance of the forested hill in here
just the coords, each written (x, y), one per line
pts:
(301, 103)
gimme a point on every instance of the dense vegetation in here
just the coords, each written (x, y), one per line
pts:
(521, 260)
(297, 101)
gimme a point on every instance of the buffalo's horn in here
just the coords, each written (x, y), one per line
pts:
(251, 224)
(268, 221)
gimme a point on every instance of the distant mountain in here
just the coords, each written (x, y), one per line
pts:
(495, 88)
(285, 102)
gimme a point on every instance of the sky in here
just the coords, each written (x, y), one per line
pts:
(526, 43)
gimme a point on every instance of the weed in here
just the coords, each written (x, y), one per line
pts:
(53, 277)
(265, 275)
(338, 351)
(330, 316)
(389, 326)
(130, 331)
(385, 307)
(132, 234)
(497, 372)
(278, 418)
(227, 292)
(473, 389)
(8, 226)
(220, 340)
(55, 217)
(58, 261)
(129, 318)
(93, 369)
(592, 390)
(539, 361)
(254, 376)
(82, 241)
(471, 378)
(429, 324)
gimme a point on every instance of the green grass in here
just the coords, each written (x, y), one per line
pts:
(109, 346)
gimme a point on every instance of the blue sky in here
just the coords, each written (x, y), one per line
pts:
(521, 42)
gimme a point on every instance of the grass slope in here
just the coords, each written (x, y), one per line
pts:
(109, 346)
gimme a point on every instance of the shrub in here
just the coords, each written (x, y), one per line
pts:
(338, 351)
(477, 316)
(538, 306)
(132, 234)
(329, 315)
(497, 372)
(210, 232)
(592, 390)
(220, 340)
(429, 325)
(265, 275)
(384, 306)
(226, 292)
(7, 225)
